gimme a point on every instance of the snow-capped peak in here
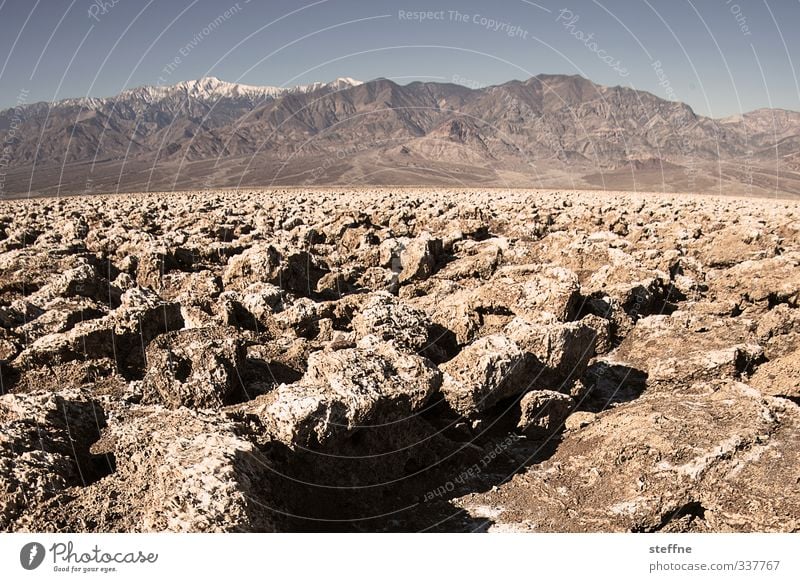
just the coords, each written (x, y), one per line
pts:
(210, 89)
(344, 82)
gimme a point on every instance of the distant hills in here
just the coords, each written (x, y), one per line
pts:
(550, 131)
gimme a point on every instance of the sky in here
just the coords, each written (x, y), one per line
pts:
(722, 57)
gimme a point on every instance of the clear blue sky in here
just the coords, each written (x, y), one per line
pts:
(719, 56)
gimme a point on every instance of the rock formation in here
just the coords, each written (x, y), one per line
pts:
(399, 360)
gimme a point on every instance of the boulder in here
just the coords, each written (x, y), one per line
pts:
(303, 317)
(475, 259)
(720, 458)
(80, 281)
(262, 299)
(769, 282)
(176, 471)
(122, 335)
(561, 351)
(291, 270)
(603, 332)
(44, 449)
(779, 376)
(419, 258)
(735, 244)
(392, 320)
(484, 373)
(196, 368)
(639, 291)
(683, 348)
(543, 413)
(61, 315)
(534, 292)
(144, 313)
(344, 390)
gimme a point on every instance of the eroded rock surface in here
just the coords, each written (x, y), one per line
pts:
(394, 360)
(196, 368)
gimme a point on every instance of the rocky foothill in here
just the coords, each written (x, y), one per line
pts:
(399, 360)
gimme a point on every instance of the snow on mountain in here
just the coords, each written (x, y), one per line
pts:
(208, 89)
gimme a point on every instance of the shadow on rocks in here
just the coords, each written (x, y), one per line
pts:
(610, 384)
(404, 478)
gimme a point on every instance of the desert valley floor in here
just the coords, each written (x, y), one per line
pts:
(399, 360)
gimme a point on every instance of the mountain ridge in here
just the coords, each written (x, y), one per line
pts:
(193, 87)
(547, 130)
(274, 91)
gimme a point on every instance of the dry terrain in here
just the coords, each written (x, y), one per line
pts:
(387, 359)
(550, 131)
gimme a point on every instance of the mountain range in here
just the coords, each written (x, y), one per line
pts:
(550, 131)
